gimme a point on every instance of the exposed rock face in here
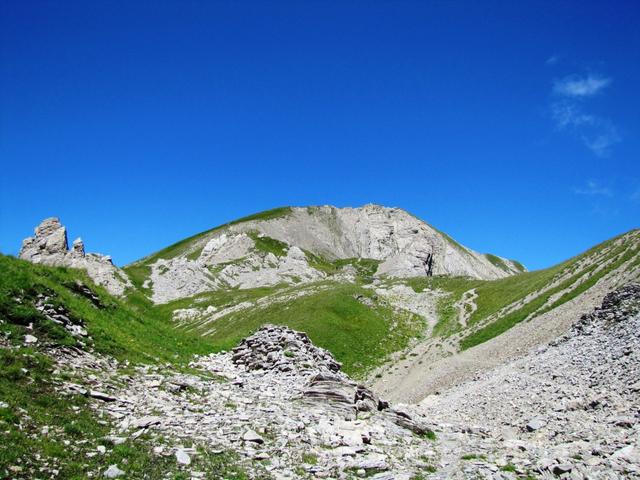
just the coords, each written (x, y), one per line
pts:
(49, 246)
(399, 240)
(403, 245)
(50, 242)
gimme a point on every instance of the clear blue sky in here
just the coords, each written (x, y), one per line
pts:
(514, 128)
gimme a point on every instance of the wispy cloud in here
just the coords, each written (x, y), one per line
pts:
(601, 143)
(593, 188)
(598, 134)
(568, 112)
(575, 86)
(552, 60)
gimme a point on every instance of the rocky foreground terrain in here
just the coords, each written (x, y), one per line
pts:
(567, 410)
(465, 368)
(570, 409)
(276, 399)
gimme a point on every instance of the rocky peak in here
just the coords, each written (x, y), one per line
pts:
(78, 247)
(271, 250)
(50, 239)
(49, 246)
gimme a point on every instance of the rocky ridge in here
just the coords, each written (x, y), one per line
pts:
(50, 247)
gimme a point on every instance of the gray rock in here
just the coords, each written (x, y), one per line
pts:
(251, 436)
(49, 247)
(536, 424)
(562, 468)
(183, 457)
(113, 472)
(101, 396)
(146, 421)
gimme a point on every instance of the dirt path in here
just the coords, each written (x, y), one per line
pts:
(466, 306)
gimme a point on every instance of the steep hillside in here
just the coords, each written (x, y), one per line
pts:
(95, 386)
(493, 321)
(58, 328)
(302, 245)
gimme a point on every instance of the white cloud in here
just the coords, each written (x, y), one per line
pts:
(593, 188)
(575, 86)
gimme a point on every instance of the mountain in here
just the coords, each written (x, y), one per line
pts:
(419, 358)
(302, 245)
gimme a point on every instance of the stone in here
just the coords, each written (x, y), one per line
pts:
(630, 453)
(101, 396)
(146, 421)
(536, 424)
(183, 457)
(113, 472)
(116, 440)
(30, 339)
(251, 436)
(77, 247)
(562, 468)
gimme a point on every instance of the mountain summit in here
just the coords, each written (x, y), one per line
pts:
(297, 245)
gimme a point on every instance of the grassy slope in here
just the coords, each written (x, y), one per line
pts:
(140, 270)
(496, 261)
(497, 294)
(129, 330)
(359, 336)
(183, 245)
(492, 296)
(133, 329)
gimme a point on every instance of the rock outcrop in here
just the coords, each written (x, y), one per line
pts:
(50, 247)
